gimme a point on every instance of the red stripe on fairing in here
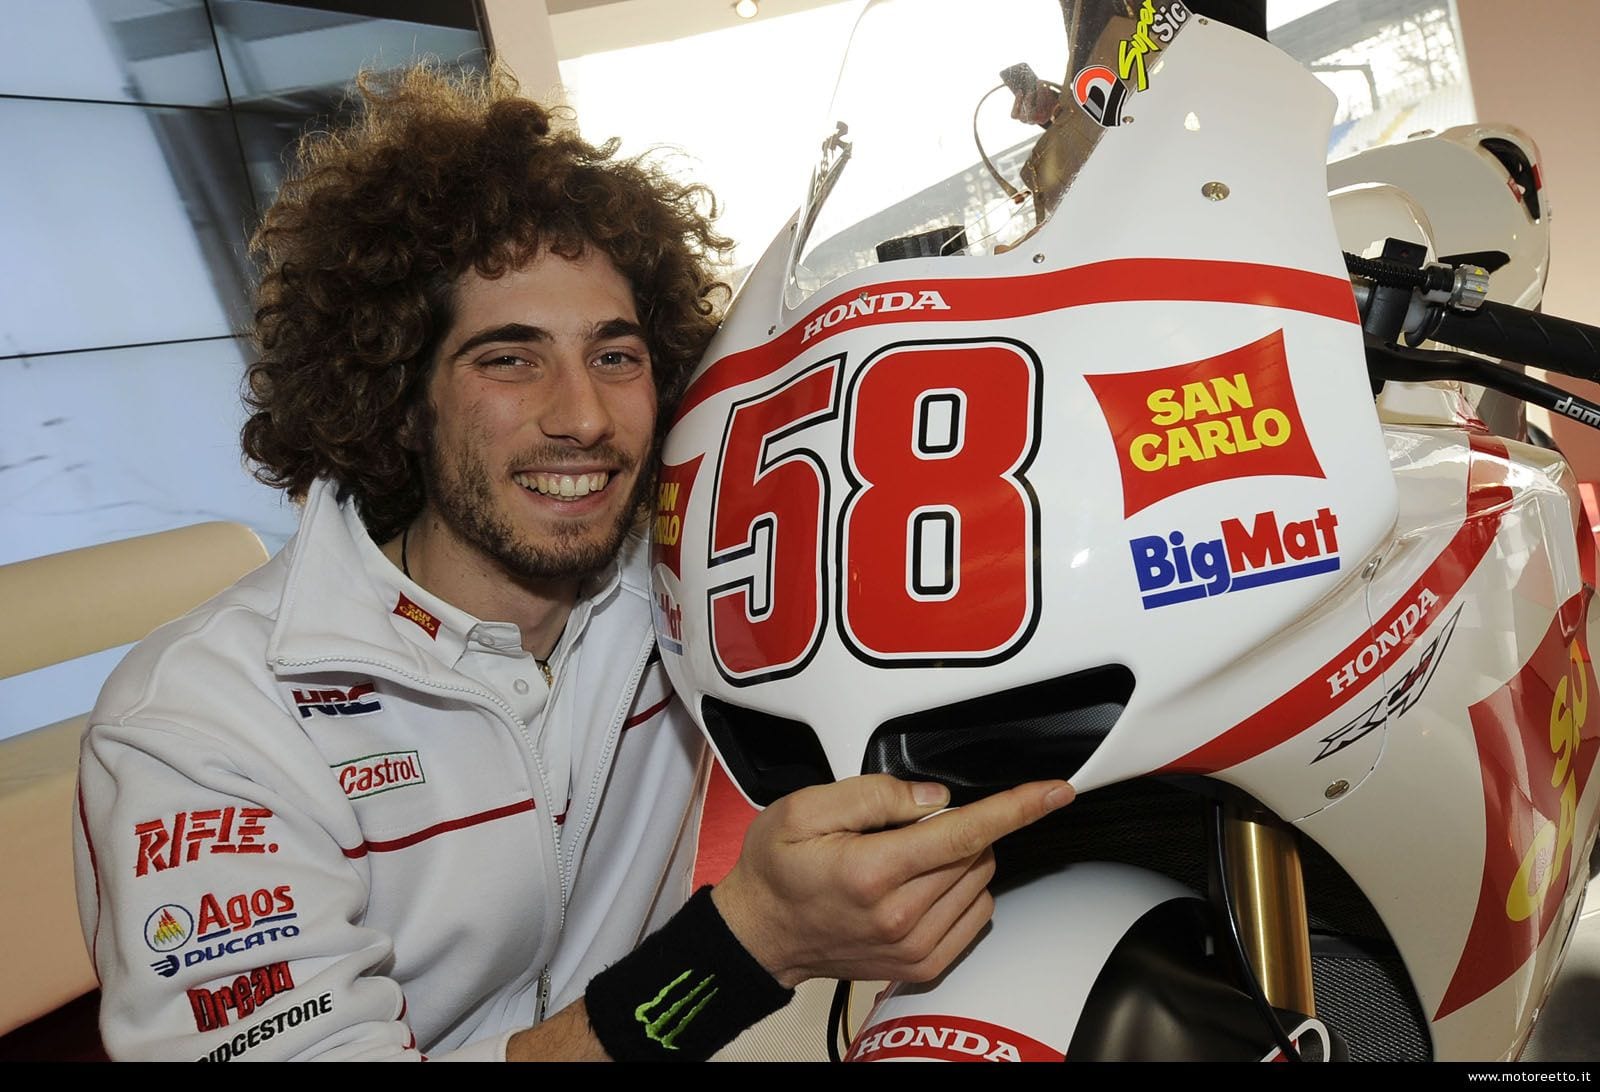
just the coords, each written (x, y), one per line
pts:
(392, 844)
(1310, 700)
(94, 869)
(640, 718)
(990, 299)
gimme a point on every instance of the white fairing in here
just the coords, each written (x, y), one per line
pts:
(1145, 437)
(1136, 228)
(1015, 998)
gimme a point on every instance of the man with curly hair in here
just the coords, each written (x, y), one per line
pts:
(419, 785)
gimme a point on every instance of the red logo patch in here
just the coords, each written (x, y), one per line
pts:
(408, 610)
(1229, 416)
(219, 830)
(672, 504)
(1536, 740)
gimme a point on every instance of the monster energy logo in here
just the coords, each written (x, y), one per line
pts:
(654, 1028)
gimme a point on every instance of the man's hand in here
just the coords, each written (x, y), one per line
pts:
(841, 881)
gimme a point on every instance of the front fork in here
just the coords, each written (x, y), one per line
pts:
(1262, 865)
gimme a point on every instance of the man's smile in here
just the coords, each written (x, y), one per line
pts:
(563, 486)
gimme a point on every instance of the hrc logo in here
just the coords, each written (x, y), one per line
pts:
(1173, 570)
(355, 702)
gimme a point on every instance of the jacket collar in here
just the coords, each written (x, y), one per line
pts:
(344, 601)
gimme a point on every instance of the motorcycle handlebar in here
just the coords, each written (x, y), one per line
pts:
(1526, 337)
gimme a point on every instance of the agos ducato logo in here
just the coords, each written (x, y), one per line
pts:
(1176, 568)
(227, 925)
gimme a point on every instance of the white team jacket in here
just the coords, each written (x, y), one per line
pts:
(298, 835)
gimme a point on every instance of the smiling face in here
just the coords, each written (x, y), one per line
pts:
(543, 410)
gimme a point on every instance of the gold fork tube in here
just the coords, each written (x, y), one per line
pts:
(1269, 895)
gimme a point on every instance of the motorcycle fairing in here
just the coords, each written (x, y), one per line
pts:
(1464, 810)
(782, 413)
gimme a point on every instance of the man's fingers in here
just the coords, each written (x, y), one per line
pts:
(970, 829)
(861, 804)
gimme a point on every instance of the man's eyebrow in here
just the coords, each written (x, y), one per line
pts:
(510, 331)
(617, 327)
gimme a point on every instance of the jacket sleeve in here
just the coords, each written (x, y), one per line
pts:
(220, 910)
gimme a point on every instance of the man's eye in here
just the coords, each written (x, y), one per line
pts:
(617, 358)
(507, 360)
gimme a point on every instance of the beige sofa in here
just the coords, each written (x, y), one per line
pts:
(59, 608)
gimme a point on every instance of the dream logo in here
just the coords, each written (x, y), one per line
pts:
(1229, 416)
(244, 995)
(1172, 569)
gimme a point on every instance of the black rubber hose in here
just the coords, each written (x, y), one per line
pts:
(1387, 273)
(1524, 337)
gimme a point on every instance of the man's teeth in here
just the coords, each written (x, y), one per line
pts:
(563, 485)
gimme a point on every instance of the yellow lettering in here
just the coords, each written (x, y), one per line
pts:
(1271, 427)
(1181, 446)
(1142, 452)
(668, 527)
(668, 496)
(1164, 408)
(1527, 888)
(1213, 438)
(1561, 734)
(1197, 400)
(1233, 393)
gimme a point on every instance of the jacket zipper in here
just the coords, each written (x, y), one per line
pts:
(630, 696)
(538, 766)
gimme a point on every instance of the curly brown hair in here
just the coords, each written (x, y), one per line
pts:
(437, 174)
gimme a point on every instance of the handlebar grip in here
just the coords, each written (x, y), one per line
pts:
(1524, 337)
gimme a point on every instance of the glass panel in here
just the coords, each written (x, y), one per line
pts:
(107, 445)
(300, 60)
(157, 51)
(122, 225)
(1395, 65)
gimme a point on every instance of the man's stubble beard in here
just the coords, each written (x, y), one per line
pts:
(463, 498)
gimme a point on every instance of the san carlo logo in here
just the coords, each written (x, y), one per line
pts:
(1229, 416)
(168, 927)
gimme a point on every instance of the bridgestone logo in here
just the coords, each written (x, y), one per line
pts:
(258, 1033)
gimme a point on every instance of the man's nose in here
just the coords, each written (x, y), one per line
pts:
(575, 408)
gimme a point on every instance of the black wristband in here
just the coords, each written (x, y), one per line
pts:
(682, 994)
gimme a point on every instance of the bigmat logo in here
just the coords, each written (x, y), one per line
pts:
(1172, 569)
(1230, 416)
(947, 1039)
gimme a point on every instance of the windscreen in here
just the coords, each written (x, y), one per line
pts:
(957, 126)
